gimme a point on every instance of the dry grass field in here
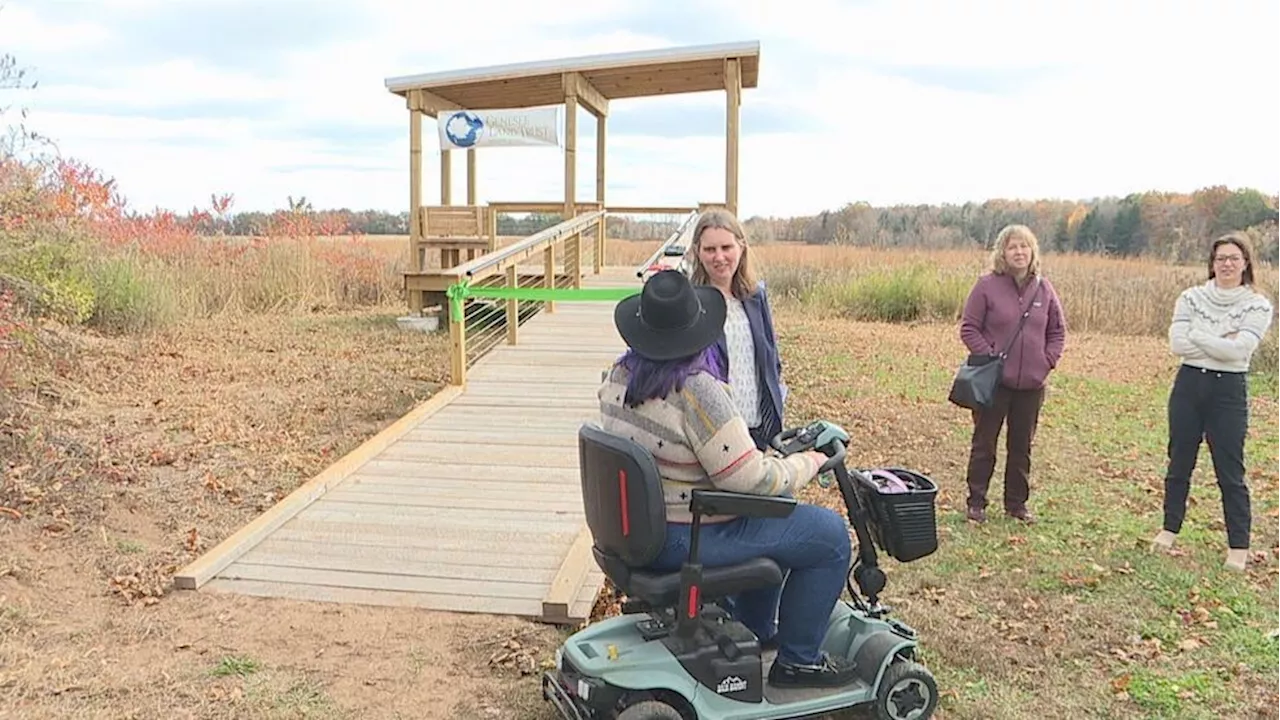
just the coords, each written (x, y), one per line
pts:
(139, 448)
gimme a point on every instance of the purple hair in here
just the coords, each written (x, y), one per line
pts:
(658, 378)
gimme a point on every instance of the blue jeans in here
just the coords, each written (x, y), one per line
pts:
(811, 545)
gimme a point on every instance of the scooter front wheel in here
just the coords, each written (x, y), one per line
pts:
(650, 710)
(907, 692)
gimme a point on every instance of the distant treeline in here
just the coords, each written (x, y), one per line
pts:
(1170, 226)
(379, 222)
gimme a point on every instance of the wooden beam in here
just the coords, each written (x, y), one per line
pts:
(428, 103)
(207, 566)
(568, 579)
(591, 98)
(733, 101)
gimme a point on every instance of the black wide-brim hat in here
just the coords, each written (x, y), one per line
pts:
(671, 318)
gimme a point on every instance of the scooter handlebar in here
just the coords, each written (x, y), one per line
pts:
(835, 457)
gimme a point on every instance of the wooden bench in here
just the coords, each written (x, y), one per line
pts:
(459, 232)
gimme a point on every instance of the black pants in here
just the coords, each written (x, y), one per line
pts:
(1211, 406)
(1022, 410)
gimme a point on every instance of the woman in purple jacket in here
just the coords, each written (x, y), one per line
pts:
(991, 314)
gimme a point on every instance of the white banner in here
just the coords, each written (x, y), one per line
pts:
(463, 129)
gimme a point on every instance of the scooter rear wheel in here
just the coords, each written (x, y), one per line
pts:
(650, 710)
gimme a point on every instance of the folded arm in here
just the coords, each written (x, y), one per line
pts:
(1180, 333)
(1237, 346)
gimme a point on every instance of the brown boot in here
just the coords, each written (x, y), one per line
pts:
(1236, 559)
(976, 515)
(1022, 514)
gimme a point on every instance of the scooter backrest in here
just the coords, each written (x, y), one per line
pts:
(621, 496)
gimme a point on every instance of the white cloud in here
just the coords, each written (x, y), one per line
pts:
(23, 30)
(1119, 97)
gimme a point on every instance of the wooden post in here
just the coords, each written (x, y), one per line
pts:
(549, 274)
(415, 198)
(513, 306)
(573, 252)
(457, 348)
(601, 121)
(570, 145)
(471, 176)
(446, 177)
(570, 82)
(733, 101)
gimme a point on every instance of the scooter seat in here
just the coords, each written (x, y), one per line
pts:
(663, 589)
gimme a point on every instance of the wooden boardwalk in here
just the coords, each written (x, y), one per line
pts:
(470, 503)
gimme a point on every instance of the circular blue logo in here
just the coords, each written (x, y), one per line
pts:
(464, 128)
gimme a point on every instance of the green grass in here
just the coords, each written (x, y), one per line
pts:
(235, 665)
(1073, 616)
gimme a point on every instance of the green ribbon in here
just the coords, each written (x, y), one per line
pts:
(463, 290)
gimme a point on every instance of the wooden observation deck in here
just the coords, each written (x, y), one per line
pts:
(472, 502)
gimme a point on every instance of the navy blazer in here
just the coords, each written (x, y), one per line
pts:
(773, 392)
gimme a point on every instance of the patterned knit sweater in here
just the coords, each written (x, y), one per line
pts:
(1205, 315)
(699, 441)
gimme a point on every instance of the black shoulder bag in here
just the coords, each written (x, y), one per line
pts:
(976, 381)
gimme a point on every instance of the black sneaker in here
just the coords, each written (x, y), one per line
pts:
(829, 672)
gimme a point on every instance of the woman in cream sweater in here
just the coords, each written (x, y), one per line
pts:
(1216, 327)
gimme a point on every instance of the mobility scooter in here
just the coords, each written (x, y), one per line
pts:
(675, 654)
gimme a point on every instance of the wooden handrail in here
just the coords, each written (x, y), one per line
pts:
(649, 210)
(528, 246)
(568, 232)
(684, 227)
(522, 207)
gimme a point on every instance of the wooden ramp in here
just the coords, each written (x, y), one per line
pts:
(470, 503)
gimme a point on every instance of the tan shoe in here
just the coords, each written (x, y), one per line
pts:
(1163, 541)
(1236, 559)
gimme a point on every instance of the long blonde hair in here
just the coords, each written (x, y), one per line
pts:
(743, 283)
(997, 263)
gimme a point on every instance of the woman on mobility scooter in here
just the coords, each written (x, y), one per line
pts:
(668, 394)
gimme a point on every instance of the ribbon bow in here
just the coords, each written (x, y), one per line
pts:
(456, 293)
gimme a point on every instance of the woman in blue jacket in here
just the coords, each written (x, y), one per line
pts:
(720, 257)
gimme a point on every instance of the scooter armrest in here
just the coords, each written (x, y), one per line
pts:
(722, 502)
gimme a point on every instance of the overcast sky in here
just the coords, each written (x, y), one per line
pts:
(899, 101)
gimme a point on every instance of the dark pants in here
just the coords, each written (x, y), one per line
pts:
(1022, 410)
(1211, 406)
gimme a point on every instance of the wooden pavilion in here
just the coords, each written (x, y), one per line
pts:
(463, 233)
(472, 502)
